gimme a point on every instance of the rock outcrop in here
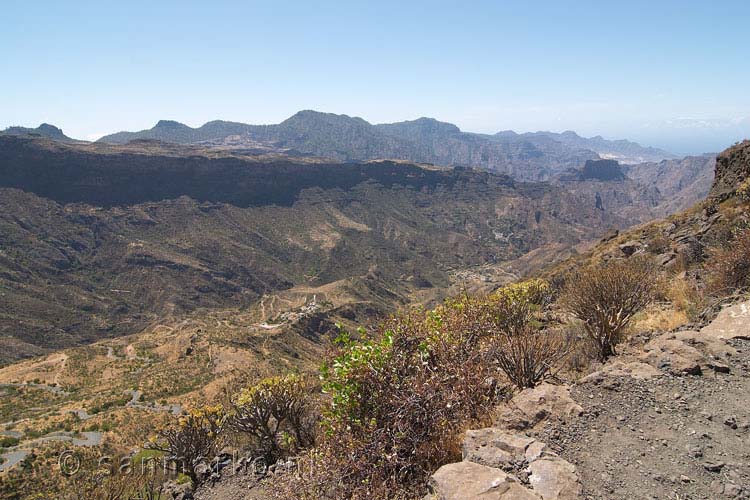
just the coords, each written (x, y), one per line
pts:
(532, 406)
(693, 352)
(732, 170)
(498, 464)
(501, 463)
(602, 170)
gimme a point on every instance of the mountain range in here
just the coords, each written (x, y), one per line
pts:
(531, 156)
(148, 277)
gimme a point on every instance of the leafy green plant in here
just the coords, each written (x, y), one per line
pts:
(400, 399)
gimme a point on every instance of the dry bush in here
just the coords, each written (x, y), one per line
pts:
(195, 437)
(605, 298)
(729, 270)
(115, 486)
(524, 351)
(659, 244)
(528, 355)
(277, 414)
(687, 297)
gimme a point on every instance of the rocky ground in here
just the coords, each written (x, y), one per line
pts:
(668, 436)
(668, 420)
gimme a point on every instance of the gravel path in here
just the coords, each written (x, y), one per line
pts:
(669, 437)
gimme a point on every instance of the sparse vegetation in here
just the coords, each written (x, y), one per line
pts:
(527, 355)
(277, 414)
(686, 297)
(400, 400)
(523, 349)
(195, 436)
(605, 297)
(730, 266)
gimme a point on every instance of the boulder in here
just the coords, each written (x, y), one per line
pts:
(718, 353)
(631, 247)
(731, 323)
(471, 481)
(494, 447)
(480, 476)
(669, 354)
(554, 479)
(532, 406)
(617, 368)
(690, 352)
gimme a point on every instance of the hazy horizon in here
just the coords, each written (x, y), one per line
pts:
(665, 74)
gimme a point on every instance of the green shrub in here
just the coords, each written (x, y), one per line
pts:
(399, 402)
(8, 441)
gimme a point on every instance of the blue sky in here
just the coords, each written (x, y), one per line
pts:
(665, 73)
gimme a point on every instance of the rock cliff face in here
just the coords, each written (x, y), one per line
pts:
(602, 170)
(732, 170)
(681, 183)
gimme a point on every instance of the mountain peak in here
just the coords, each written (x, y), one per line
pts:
(506, 134)
(420, 128)
(51, 129)
(44, 130)
(169, 124)
(571, 134)
(435, 125)
(312, 117)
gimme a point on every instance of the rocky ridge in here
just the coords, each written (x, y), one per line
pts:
(732, 171)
